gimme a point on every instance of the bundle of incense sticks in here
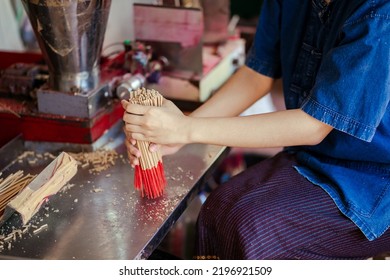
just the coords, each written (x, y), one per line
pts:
(149, 175)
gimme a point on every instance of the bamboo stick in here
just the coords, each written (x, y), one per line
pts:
(12, 186)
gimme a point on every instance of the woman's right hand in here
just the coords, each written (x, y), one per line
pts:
(134, 154)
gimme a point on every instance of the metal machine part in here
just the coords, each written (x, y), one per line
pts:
(70, 34)
(77, 105)
(22, 79)
(127, 85)
(142, 59)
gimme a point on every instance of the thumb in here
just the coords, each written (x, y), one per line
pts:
(124, 103)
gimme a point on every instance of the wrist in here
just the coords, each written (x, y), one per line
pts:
(187, 131)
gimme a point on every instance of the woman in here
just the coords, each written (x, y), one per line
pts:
(326, 196)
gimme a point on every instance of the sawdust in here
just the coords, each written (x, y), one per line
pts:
(16, 234)
(33, 157)
(96, 161)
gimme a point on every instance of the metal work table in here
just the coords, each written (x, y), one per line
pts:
(114, 222)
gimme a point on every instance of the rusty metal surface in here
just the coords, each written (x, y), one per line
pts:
(101, 216)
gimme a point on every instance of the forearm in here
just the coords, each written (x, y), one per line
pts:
(276, 129)
(214, 122)
(237, 94)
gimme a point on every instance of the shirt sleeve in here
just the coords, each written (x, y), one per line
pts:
(352, 88)
(264, 55)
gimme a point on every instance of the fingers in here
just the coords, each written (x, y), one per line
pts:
(135, 132)
(133, 119)
(133, 154)
(124, 103)
(134, 109)
(134, 129)
(128, 136)
(153, 147)
(133, 150)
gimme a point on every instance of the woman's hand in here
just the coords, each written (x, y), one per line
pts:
(133, 153)
(161, 125)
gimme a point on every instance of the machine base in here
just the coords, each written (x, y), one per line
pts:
(36, 126)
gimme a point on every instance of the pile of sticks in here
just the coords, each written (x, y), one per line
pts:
(11, 186)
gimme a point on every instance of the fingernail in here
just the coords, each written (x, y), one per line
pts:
(153, 148)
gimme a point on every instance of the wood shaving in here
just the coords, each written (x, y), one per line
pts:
(41, 228)
(66, 187)
(33, 157)
(6, 241)
(25, 229)
(49, 155)
(98, 161)
(9, 238)
(26, 154)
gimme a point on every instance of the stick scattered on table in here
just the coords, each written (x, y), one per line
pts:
(149, 176)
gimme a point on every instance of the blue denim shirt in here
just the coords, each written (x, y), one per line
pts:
(335, 63)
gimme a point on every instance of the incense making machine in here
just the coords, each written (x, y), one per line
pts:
(70, 93)
(65, 93)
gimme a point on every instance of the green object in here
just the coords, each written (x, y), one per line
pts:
(127, 45)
